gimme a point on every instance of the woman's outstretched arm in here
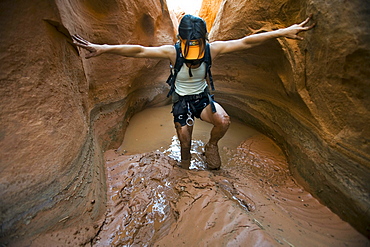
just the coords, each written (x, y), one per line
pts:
(220, 47)
(162, 52)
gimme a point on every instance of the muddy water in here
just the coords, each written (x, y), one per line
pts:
(153, 129)
(251, 201)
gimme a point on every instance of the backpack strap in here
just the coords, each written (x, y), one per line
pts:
(175, 70)
(208, 61)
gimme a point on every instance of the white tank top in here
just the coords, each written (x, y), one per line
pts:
(186, 85)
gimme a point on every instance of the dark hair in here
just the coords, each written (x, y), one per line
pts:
(193, 28)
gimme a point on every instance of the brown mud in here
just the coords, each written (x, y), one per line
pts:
(252, 201)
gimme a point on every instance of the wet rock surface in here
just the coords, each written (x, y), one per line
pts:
(253, 199)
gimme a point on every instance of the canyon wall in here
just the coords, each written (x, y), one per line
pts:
(311, 96)
(208, 11)
(60, 111)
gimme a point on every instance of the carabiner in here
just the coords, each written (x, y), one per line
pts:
(189, 120)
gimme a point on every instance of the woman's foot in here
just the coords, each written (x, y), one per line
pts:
(185, 164)
(213, 159)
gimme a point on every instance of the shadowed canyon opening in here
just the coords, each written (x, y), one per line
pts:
(296, 163)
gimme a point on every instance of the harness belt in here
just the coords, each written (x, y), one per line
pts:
(187, 98)
(194, 96)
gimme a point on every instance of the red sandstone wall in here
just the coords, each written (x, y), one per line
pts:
(44, 123)
(209, 10)
(58, 111)
(312, 97)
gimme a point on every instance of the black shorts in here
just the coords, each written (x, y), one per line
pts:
(182, 107)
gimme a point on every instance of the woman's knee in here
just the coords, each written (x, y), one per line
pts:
(226, 121)
(223, 120)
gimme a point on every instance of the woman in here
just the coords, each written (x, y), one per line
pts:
(190, 95)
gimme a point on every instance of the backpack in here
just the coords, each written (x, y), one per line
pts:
(179, 63)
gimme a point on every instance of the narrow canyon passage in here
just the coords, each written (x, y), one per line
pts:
(88, 150)
(252, 201)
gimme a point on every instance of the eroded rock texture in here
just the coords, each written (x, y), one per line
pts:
(59, 111)
(209, 10)
(312, 97)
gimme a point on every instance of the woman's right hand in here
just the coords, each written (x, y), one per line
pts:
(94, 49)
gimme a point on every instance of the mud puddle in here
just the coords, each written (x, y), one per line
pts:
(153, 130)
(251, 201)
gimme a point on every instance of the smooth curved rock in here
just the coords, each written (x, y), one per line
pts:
(59, 111)
(209, 10)
(312, 97)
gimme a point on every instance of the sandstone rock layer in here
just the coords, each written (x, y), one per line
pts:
(312, 97)
(209, 11)
(59, 112)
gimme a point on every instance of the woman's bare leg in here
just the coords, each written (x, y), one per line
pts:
(184, 134)
(221, 121)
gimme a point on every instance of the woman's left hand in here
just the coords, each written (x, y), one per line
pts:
(292, 31)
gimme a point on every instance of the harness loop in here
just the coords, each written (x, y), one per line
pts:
(189, 120)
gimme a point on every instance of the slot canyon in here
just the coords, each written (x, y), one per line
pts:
(302, 178)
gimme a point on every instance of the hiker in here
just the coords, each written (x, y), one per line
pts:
(189, 88)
